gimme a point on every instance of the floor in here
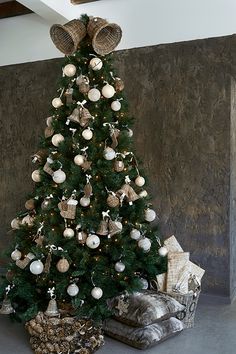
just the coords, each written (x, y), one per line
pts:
(214, 333)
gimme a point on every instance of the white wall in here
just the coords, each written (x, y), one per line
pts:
(144, 23)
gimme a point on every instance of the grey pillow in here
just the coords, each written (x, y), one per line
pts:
(145, 337)
(144, 308)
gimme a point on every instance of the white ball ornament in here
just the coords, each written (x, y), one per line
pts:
(59, 176)
(96, 64)
(36, 176)
(16, 255)
(109, 153)
(57, 139)
(87, 134)
(96, 293)
(139, 181)
(28, 220)
(94, 95)
(108, 91)
(130, 133)
(119, 267)
(84, 201)
(57, 102)
(68, 233)
(150, 215)
(135, 234)
(69, 70)
(145, 284)
(15, 223)
(93, 241)
(79, 160)
(36, 267)
(145, 244)
(72, 290)
(116, 106)
(163, 251)
(49, 121)
(143, 194)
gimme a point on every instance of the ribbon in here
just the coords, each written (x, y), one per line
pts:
(51, 291)
(40, 228)
(73, 130)
(81, 103)
(105, 214)
(127, 179)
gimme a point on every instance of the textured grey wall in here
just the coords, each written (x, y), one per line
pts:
(183, 100)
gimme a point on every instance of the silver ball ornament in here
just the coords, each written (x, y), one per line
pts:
(163, 251)
(108, 91)
(145, 284)
(72, 290)
(140, 181)
(119, 267)
(94, 95)
(116, 106)
(59, 176)
(96, 64)
(45, 204)
(84, 201)
(57, 139)
(109, 153)
(36, 267)
(69, 70)
(79, 160)
(16, 255)
(93, 241)
(36, 176)
(57, 102)
(68, 233)
(145, 244)
(135, 234)
(150, 215)
(96, 293)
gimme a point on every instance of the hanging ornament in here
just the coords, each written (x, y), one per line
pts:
(96, 293)
(86, 165)
(119, 267)
(68, 233)
(109, 153)
(108, 91)
(93, 241)
(115, 227)
(119, 166)
(150, 215)
(94, 95)
(48, 132)
(119, 84)
(144, 282)
(40, 156)
(114, 135)
(113, 201)
(84, 201)
(36, 267)
(83, 83)
(69, 70)
(87, 134)
(36, 176)
(163, 251)
(88, 190)
(135, 234)
(103, 228)
(139, 181)
(47, 167)
(96, 64)
(28, 220)
(80, 79)
(57, 139)
(145, 244)
(69, 95)
(116, 106)
(57, 102)
(16, 255)
(72, 290)
(22, 263)
(68, 208)
(143, 194)
(52, 309)
(81, 237)
(6, 308)
(130, 133)
(59, 176)
(79, 160)
(63, 265)
(30, 204)
(15, 223)
(49, 121)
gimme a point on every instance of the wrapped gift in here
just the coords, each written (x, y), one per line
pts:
(177, 275)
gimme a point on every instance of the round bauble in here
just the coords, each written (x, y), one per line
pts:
(143, 194)
(93, 241)
(109, 153)
(163, 251)
(119, 267)
(57, 139)
(94, 95)
(116, 106)
(84, 201)
(150, 215)
(46, 204)
(130, 133)
(63, 265)
(113, 201)
(119, 166)
(108, 91)
(119, 84)
(36, 267)
(79, 160)
(30, 204)
(96, 293)
(82, 79)
(145, 244)
(135, 234)
(57, 102)
(28, 220)
(139, 181)
(15, 223)
(16, 255)
(59, 176)
(96, 64)
(87, 134)
(36, 176)
(144, 283)
(49, 121)
(72, 290)
(69, 70)
(68, 233)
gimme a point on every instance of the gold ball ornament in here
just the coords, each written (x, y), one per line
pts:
(63, 265)
(36, 177)
(119, 84)
(69, 70)
(113, 201)
(57, 102)
(119, 166)
(30, 204)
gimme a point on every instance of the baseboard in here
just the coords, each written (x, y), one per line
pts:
(216, 299)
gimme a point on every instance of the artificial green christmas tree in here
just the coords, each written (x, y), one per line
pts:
(85, 235)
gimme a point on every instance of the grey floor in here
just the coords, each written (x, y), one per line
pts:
(214, 333)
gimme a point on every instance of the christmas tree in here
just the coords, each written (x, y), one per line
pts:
(85, 234)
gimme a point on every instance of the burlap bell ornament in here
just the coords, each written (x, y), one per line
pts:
(81, 116)
(68, 208)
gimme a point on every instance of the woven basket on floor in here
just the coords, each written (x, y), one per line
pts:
(68, 36)
(105, 36)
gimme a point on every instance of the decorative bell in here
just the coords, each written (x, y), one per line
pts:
(52, 310)
(6, 308)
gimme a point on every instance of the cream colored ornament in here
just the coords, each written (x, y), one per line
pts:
(28, 220)
(144, 244)
(130, 133)
(15, 223)
(87, 134)
(96, 64)
(36, 267)
(36, 177)
(63, 265)
(139, 181)
(69, 70)
(94, 95)
(143, 194)
(119, 166)
(57, 102)
(16, 255)
(163, 251)
(30, 204)
(59, 176)
(84, 201)
(109, 153)
(96, 293)
(57, 139)
(113, 201)
(108, 91)
(79, 160)
(150, 215)
(72, 290)
(68, 233)
(135, 234)
(116, 106)
(93, 241)
(49, 121)
(81, 237)
(119, 267)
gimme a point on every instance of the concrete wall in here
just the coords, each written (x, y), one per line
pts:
(182, 96)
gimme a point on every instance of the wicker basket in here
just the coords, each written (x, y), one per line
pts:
(67, 37)
(105, 36)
